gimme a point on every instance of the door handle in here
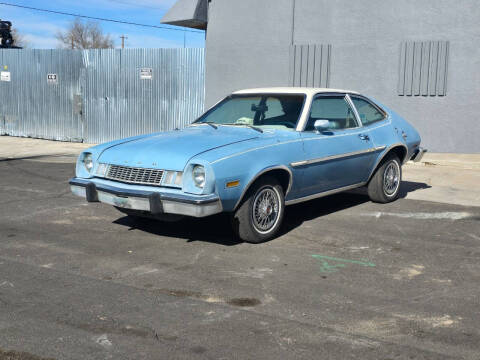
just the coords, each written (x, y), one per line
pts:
(364, 137)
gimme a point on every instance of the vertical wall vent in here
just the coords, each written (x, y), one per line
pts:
(310, 65)
(423, 68)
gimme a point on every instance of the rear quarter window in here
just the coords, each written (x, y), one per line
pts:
(368, 112)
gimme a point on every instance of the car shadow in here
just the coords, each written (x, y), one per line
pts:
(295, 215)
(411, 186)
(216, 229)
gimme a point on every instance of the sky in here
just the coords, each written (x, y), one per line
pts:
(39, 28)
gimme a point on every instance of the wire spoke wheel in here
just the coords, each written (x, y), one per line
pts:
(266, 208)
(391, 178)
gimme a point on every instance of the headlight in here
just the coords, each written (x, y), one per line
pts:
(198, 174)
(88, 162)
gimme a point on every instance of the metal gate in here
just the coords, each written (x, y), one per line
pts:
(99, 95)
(30, 106)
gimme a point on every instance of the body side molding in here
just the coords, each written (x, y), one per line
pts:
(334, 157)
(324, 193)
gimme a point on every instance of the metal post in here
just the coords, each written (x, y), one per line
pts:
(123, 37)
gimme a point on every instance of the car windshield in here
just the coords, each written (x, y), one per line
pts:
(261, 111)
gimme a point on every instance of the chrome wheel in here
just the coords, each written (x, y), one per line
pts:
(266, 209)
(391, 178)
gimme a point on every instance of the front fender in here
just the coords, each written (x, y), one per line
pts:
(246, 168)
(232, 196)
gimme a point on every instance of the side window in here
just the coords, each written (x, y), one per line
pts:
(335, 109)
(367, 112)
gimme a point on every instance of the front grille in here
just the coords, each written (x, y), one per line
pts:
(135, 175)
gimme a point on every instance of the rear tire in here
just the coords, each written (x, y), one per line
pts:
(384, 186)
(260, 215)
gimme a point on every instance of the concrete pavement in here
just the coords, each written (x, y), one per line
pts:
(347, 279)
(12, 147)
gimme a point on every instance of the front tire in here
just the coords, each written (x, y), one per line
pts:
(260, 215)
(384, 186)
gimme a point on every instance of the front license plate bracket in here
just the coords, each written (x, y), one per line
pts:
(156, 206)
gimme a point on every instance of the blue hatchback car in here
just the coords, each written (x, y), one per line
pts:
(252, 154)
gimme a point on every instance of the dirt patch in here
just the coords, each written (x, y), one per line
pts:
(19, 355)
(244, 302)
(104, 325)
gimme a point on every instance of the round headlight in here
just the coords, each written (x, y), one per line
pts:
(199, 176)
(88, 162)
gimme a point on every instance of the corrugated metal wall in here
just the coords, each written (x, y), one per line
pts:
(99, 95)
(29, 106)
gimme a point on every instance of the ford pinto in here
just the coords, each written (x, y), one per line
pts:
(252, 154)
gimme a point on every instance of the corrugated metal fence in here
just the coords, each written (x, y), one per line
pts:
(99, 95)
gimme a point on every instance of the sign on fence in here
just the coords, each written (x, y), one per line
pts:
(5, 76)
(52, 78)
(146, 73)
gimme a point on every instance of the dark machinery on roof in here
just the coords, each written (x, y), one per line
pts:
(6, 35)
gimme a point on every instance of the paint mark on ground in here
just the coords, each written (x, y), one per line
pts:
(212, 299)
(433, 321)
(410, 272)
(103, 340)
(6, 283)
(446, 215)
(138, 271)
(252, 273)
(340, 263)
(473, 236)
(62, 222)
(357, 248)
(442, 281)
(212, 316)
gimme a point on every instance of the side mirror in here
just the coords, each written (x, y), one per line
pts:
(321, 125)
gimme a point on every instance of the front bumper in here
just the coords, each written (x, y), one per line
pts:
(152, 201)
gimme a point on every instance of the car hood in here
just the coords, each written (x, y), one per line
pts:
(172, 150)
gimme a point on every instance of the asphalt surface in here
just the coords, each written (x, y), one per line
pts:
(348, 279)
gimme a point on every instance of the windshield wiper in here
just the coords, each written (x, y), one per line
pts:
(209, 123)
(248, 125)
(255, 128)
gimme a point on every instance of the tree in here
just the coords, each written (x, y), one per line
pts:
(19, 39)
(84, 35)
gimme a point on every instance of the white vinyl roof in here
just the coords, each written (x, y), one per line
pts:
(293, 90)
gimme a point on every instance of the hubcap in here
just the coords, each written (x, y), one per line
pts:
(391, 178)
(266, 206)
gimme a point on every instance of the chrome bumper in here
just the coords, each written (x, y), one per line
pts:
(151, 201)
(418, 154)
